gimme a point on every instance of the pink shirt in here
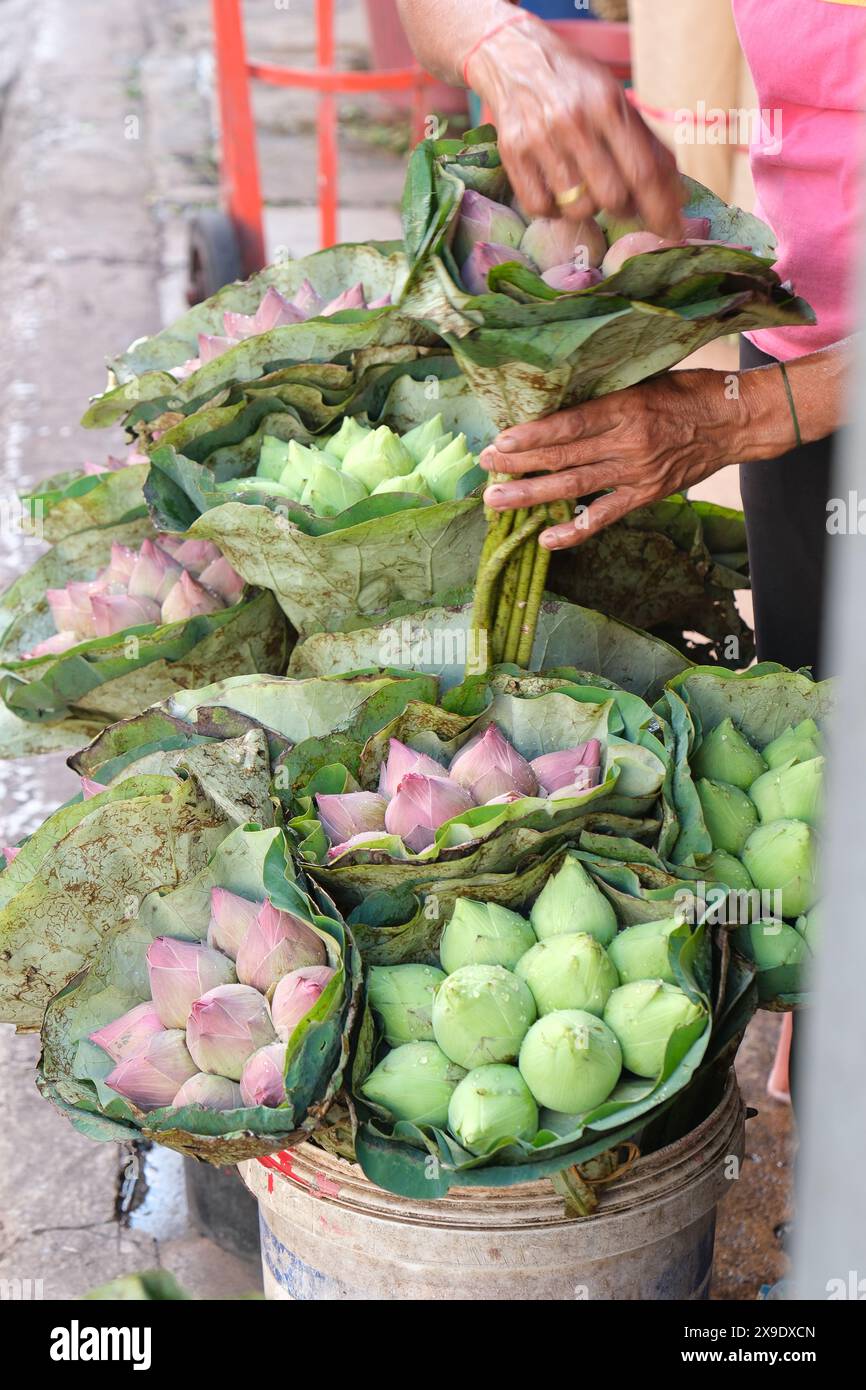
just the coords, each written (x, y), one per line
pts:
(808, 59)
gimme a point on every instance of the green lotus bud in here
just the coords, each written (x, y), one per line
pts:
(801, 742)
(329, 492)
(720, 867)
(570, 902)
(725, 755)
(771, 944)
(791, 791)
(300, 466)
(484, 934)
(729, 814)
(809, 927)
(443, 468)
(491, 1104)
(645, 1015)
(273, 457)
(402, 998)
(568, 972)
(415, 1082)
(641, 952)
(413, 482)
(481, 1014)
(781, 857)
(348, 435)
(570, 1061)
(425, 437)
(641, 773)
(378, 456)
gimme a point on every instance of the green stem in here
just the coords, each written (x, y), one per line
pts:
(485, 587)
(515, 625)
(541, 564)
(505, 603)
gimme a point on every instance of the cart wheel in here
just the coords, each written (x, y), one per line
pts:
(214, 254)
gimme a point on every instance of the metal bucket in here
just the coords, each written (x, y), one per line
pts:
(327, 1233)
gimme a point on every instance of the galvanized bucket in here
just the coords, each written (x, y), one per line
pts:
(329, 1234)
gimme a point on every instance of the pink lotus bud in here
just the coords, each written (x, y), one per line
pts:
(350, 814)
(295, 995)
(504, 800)
(488, 765)
(210, 1092)
(483, 219)
(367, 837)
(350, 299)
(698, 227)
(181, 972)
(262, 1078)
(569, 279)
(226, 1026)
(555, 770)
(154, 573)
(185, 369)
(306, 301)
(90, 788)
(151, 1078)
(585, 779)
(381, 303)
(223, 581)
(187, 599)
(52, 646)
(115, 612)
(65, 613)
(481, 260)
(211, 345)
(231, 917)
(402, 759)
(194, 555)
(123, 560)
(420, 805)
(632, 244)
(90, 468)
(550, 241)
(10, 852)
(130, 1033)
(273, 312)
(276, 943)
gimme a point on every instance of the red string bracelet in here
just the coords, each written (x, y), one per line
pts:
(503, 24)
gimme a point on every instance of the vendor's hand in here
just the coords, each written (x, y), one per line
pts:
(644, 443)
(564, 123)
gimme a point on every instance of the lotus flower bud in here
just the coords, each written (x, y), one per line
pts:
(181, 972)
(52, 646)
(382, 302)
(10, 852)
(210, 1092)
(791, 791)
(771, 944)
(231, 917)
(151, 1077)
(273, 312)
(350, 299)
(641, 952)
(295, 995)
(570, 902)
(213, 345)
(262, 1079)
(225, 1027)
(276, 943)
(300, 462)
(444, 467)
(725, 755)
(570, 1060)
(381, 455)
(506, 799)
(401, 996)
(697, 227)
(799, 743)
(420, 805)
(154, 573)
(481, 1014)
(89, 788)
(65, 613)
(568, 972)
(194, 555)
(413, 483)
(130, 1033)
(115, 612)
(781, 857)
(484, 934)
(329, 491)
(720, 867)
(551, 241)
(415, 1083)
(729, 814)
(402, 759)
(482, 219)
(645, 1015)
(568, 768)
(367, 837)
(122, 562)
(350, 813)
(488, 765)
(348, 435)
(568, 279)
(223, 581)
(424, 437)
(481, 260)
(187, 599)
(490, 1105)
(307, 302)
(634, 244)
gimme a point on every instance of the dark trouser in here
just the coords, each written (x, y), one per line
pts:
(785, 501)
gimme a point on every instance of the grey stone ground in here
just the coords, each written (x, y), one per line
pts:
(106, 140)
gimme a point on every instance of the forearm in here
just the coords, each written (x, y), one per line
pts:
(443, 32)
(820, 389)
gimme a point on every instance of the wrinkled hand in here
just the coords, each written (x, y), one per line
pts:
(643, 443)
(563, 122)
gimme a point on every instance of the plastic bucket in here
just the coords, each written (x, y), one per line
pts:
(329, 1234)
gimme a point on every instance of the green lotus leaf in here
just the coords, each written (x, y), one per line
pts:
(74, 502)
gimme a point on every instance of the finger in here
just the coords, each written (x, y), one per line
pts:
(590, 520)
(601, 173)
(563, 173)
(528, 181)
(558, 458)
(586, 421)
(647, 168)
(551, 487)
